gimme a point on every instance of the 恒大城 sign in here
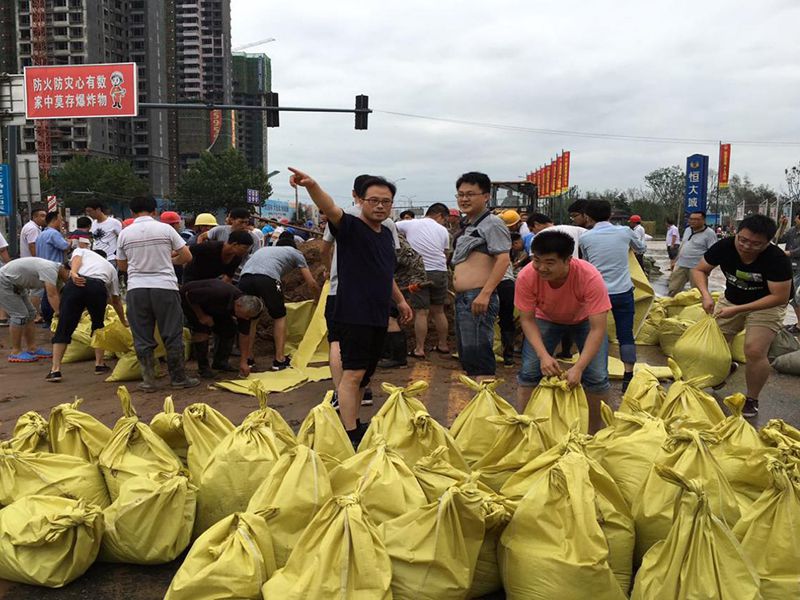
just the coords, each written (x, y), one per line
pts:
(81, 91)
(696, 184)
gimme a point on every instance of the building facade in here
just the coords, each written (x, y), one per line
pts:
(252, 80)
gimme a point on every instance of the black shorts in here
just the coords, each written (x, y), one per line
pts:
(672, 252)
(266, 288)
(330, 306)
(361, 347)
(74, 300)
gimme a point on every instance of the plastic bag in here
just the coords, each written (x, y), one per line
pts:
(788, 364)
(30, 433)
(669, 332)
(434, 549)
(49, 541)
(555, 400)
(770, 536)
(339, 556)
(400, 407)
(77, 433)
(297, 486)
(700, 557)
(204, 427)
(473, 434)
(151, 520)
(383, 482)
(44, 474)
(284, 436)
(686, 398)
(784, 343)
(231, 560)
(703, 351)
(646, 391)
(322, 430)
(168, 425)
(134, 450)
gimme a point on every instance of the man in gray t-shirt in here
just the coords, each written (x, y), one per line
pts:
(697, 238)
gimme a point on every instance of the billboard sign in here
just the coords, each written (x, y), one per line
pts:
(253, 197)
(5, 191)
(696, 184)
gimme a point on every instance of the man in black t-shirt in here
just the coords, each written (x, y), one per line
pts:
(365, 257)
(211, 259)
(759, 282)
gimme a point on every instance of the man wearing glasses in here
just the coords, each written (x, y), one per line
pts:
(759, 282)
(480, 259)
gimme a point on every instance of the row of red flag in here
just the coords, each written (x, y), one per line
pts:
(553, 179)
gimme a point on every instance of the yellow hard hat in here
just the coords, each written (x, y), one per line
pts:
(205, 219)
(510, 217)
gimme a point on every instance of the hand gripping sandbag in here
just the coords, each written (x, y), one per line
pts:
(44, 474)
(770, 535)
(340, 556)
(30, 433)
(703, 351)
(383, 482)
(234, 471)
(284, 436)
(700, 557)
(400, 407)
(518, 441)
(322, 430)
(168, 425)
(48, 541)
(646, 390)
(434, 549)
(77, 433)
(686, 452)
(669, 332)
(473, 434)
(554, 546)
(133, 450)
(686, 398)
(291, 495)
(151, 520)
(562, 405)
(204, 427)
(230, 561)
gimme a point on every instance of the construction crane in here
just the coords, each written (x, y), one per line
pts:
(39, 57)
(252, 44)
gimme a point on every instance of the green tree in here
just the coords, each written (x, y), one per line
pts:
(667, 187)
(219, 181)
(85, 178)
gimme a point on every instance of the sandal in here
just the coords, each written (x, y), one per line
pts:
(413, 354)
(439, 350)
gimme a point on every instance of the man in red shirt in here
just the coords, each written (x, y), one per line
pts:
(558, 294)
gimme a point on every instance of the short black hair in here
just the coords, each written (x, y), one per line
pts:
(84, 222)
(51, 216)
(95, 204)
(140, 204)
(476, 178)
(243, 238)
(670, 221)
(375, 180)
(515, 236)
(239, 212)
(408, 212)
(188, 220)
(101, 253)
(553, 242)
(358, 184)
(760, 225)
(598, 210)
(286, 238)
(698, 212)
(38, 208)
(539, 218)
(437, 208)
(579, 206)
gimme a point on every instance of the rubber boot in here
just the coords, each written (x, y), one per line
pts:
(177, 370)
(200, 350)
(147, 363)
(507, 339)
(222, 351)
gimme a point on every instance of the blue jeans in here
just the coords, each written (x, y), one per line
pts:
(623, 309)
(595, 376)
(475, 334)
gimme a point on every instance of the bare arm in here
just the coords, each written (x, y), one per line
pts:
(779, 292)
(481, 303)
(312, 284)
(201, 238)
(122, 265)
(182, 256)
(319, 196)
(52, 296)
(32, 248)
(326, 255)
(699, 276)
(5, 256)
(406, 314)
(116, 302)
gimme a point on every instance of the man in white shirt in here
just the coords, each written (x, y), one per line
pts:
(30, 231)
(105, 230)
(673, 239)
(431, 240)
(148, 251)
(635, 223)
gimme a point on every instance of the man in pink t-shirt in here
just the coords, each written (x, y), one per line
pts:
(558, 294)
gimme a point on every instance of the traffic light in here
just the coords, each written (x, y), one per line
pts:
(273, 116)
(362, 102)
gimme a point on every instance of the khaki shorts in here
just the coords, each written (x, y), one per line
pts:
(769, 318)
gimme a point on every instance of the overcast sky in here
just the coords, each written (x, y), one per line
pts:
(714, 70)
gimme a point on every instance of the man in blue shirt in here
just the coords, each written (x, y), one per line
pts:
(606, 247)
(51, 245)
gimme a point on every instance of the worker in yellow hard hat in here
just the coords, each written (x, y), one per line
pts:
(202, 223)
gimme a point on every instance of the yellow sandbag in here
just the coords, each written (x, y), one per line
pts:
(487, 579)
(231, 560)
(779, 434)
(434, 548)
(553, 399)
(669, 332)
(692, 313)
(44, 474)
(168, 425)
(737, 348)
(114, 337)
(48, 541)
(133, 450)
(648, 333)
(402, 403)
(151, 520)
(383, 482)
(681, 300)
(322, 430)
(646, 391)
(204, 427)
(435, 475)
(686, 398)
(30, 433)
(289, 498)
(128, 369)
(703, 351)
(700, 557)
(554, 546)
(519, 440)
(284, 435)
(77, 352)
(74, 432)
(339, 556)
(643, 298)
(314, 344)
(686, 452)
(770, 535)
(234, 471)
(473, 434)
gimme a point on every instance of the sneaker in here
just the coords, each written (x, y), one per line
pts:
(508, 361)
(41, 353)
(750, 409)
(280, 365)
(734, 367)
(335, 401)
(53, 376)
(367, 399)
(22, 357)
(101, 369)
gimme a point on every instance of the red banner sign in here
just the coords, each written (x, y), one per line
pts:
(559, 173)
(565, 177)
(81, 91)
(724, 165)
(215, 125)
(553, 176)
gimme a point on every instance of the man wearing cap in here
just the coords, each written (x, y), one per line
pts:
(203, 223)
(173, 219)
(105, 230)
(635, 223)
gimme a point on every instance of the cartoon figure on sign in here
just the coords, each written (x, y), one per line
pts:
(117, 91)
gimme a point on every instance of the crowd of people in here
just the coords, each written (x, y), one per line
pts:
(562, 280)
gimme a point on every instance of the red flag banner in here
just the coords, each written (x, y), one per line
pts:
(559, 166)
(215, 125)
(565, 176)
(724, 165)
(553, 174)
(546, 182)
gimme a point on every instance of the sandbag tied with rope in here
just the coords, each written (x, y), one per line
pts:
(322, 430)
(646, 390)
(204, 427)
(30, 433)
(168, 425)
(273, 419)
(686, 398)
(561, 404)
(702, 351)
(74, 432)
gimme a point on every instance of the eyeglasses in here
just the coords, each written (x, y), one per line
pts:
(747, 243)
(379, 201)
(469, 195)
